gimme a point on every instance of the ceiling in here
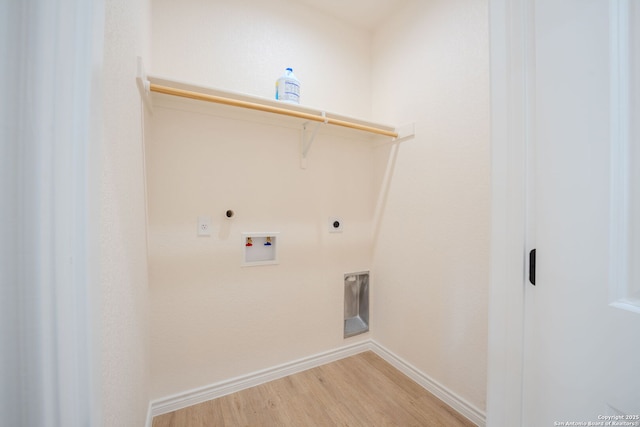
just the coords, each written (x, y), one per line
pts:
(361, 13)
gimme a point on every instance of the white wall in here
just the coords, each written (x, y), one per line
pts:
(211, 318)
(431, 259)
(245, 46)
(125, 373)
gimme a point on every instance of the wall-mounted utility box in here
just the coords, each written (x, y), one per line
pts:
(260, 248)
(356, 303)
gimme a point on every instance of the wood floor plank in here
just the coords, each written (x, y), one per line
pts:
(362, 390)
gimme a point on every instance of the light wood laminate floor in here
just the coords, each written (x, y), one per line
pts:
(362, 390)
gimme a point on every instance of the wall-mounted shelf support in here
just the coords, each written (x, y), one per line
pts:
(306, 143)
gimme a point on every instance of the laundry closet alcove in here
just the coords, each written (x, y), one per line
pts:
(284, 170)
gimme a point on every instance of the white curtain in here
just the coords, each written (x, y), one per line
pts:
(50, 53)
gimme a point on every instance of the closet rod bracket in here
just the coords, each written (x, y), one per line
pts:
(144, 86)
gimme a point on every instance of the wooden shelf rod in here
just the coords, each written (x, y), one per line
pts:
(267, 108)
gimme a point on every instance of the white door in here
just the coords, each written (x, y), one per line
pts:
(582, 317)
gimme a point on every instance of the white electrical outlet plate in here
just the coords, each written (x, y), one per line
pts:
(204, 226)
(335, 224)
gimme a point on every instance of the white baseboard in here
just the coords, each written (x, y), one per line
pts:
(465, 408)
(223, 388)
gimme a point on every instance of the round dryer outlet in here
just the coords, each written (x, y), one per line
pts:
(335, 224)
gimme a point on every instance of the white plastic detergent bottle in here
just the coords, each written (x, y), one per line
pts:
(288, 87)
